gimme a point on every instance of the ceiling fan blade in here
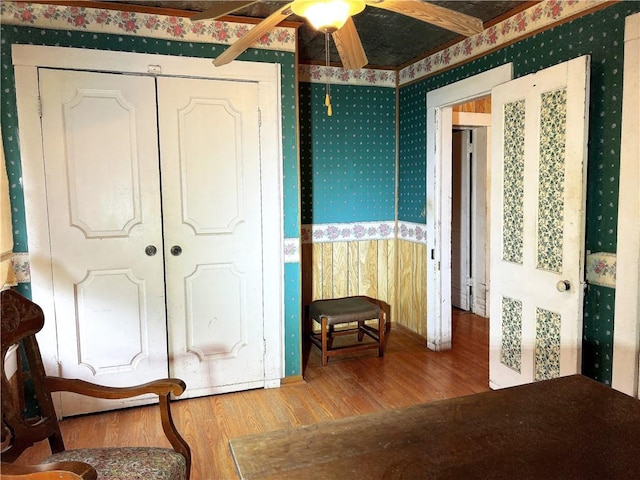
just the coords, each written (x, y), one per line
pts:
(220, 10)
(349, 46)
(252, 35)
(434, 14)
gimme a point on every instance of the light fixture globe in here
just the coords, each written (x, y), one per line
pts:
(327, 15)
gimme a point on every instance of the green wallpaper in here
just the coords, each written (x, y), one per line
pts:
(412, 152)
(600, 35)
(81, 39)
(347, 161)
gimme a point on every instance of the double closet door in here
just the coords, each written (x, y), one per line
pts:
(154, 207)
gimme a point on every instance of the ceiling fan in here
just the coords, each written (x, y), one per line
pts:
(337, 21)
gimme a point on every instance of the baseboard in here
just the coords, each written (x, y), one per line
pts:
(292, 380)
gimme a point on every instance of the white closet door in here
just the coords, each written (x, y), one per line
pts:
(210, 161)
(103, 199)
(538, 191)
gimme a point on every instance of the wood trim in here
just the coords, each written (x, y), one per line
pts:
(292, 380)
(626, 337)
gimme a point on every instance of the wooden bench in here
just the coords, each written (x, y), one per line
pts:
(331, 312)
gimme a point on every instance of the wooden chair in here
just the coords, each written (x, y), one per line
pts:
(21, 319)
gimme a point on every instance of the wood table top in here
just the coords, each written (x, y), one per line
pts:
(565, 428)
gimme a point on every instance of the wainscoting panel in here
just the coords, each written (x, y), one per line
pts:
(341, 269)
(412, 286)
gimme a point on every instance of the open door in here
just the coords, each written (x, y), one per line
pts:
(538, 191)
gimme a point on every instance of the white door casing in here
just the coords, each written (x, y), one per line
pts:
(439, 127)
(211, 191)
(626, 331)
(103, 203)
(538, 192)
(27, 60)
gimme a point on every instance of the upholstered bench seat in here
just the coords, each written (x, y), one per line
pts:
(331, 312)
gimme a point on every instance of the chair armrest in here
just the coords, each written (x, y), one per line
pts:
(158, 387)
(49, 471)
(162, 388)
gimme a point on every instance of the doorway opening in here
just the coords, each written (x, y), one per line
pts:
(440, 104)
(470, 153)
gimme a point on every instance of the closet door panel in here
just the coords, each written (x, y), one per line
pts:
(103, 198)
(210, 161)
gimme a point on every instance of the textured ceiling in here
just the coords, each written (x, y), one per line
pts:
(389, 39)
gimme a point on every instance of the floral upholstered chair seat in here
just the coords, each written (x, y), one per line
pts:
(129, 463)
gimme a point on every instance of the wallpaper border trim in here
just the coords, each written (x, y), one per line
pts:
(348, 232)
(341, 76)
(101, 20)
(412, 232)
(292, 250)
(601, 269)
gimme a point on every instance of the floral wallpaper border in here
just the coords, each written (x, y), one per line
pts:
(340, 76)
(537, 17)
(350, 232)
(412, 232)
(347, 232)
(601, 269)
(100, 20)
(22, 267)
(291, 250)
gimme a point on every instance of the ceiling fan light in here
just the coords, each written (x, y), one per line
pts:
(327, 15)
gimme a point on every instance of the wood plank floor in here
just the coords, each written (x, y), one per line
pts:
(407, 375)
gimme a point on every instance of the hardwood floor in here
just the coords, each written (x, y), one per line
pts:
(407, 375)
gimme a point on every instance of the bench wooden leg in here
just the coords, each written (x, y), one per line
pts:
(360, 331)
(323, 330)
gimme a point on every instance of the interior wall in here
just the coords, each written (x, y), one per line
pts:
(599, 35)
(347, 160)
(347, 166)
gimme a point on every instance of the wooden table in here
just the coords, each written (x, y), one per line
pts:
(566, 428)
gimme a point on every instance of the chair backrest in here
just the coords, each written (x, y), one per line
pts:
(20, 320)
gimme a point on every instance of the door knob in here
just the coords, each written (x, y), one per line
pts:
(151, 250)
(563, 285)
(176, 250)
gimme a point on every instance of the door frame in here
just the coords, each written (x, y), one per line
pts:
(626, 336)
(439, 128)
(28, 58)
(480, 126)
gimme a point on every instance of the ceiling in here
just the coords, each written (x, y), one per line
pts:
(390, 40)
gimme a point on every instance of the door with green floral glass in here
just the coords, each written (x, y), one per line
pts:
(538, 191)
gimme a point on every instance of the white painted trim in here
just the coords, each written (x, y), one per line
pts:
(626, 332)
(439, 124)
(28, 58)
